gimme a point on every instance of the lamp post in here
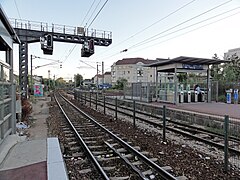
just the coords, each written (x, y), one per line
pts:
(97, 76)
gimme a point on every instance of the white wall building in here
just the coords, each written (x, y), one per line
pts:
(98, 79)
(232, 53)
(107, 78)
(133, 70)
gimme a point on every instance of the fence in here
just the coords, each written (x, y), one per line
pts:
(7, 100)
(232, 129)
(225, 127)
(140, 91)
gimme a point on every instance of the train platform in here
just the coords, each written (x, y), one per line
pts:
(213, 108)
(34, 156)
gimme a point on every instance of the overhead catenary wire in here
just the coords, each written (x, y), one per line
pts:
(73, 47)
(20, 16)
(17, 9)
(215, 16)
(71, 50)
(88, 12)
(184, 22)
(93, 13)
(192, 29)
(98, 13)
(149, 39)
(156, 22)
(195, 24)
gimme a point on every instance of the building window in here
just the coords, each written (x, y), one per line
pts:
(150, 75)
(139, 72)
(128, 72)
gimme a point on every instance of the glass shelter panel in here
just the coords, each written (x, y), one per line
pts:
(166, 88)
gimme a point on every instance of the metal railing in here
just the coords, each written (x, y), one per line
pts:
(6, 98)
(57, 28)
(229, 128)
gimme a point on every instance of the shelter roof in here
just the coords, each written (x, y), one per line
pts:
(134, 61)
(188, 60)
(8, 26)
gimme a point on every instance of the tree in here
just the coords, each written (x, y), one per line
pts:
(182, 77)
(78, 80)
(60, 82)
(231, 70)
(215, 69)
(120, 83)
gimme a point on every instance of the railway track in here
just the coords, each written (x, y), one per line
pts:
(200, 134)
(109, 156)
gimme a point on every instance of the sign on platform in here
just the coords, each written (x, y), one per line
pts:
(38, 90)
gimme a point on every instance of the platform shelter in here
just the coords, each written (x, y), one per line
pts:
(168, 85)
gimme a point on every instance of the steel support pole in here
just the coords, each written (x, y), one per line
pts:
(31, 75)
(164, 123)
(115, 108)
(226, 125)
(90, 100)
(104, 104)
(96, 101)
(134, 113)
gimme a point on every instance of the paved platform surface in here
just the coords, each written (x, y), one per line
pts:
(37, 171)
(218, 109)
(25, 153)
(25, 158)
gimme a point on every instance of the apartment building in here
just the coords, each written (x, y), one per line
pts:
(133, 70)
(107, 78)
(103, 79)
(98, 79)
(232, 54)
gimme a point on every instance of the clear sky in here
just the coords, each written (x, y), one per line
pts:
(192, 31)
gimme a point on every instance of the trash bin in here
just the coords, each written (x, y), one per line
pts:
(235, 96)
(228, 96)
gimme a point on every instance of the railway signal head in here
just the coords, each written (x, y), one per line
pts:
(49, 40)
(47, 44)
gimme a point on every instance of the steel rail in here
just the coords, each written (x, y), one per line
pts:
(85, 147)
(164, 174)
(220, 146)
(136, 170)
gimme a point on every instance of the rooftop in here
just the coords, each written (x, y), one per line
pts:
(188, 60)
(135, 61)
